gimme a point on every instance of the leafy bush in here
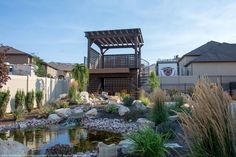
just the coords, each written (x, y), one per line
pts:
(64, 105)
(111, 108)
(46, 110)
(210, 129)
(154, 81)
(29, 101)
(39, 98)
(147, 143)
(4, 99)
(19, 99)
(145, 100)
(128, 100)
(60, 150)
(123, 93)
(73, 93)
(18, 113)
(81, 74)
(159, 111)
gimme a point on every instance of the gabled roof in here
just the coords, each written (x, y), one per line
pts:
(12, 51)
(61, 66)
(214, 52)
(117, 38)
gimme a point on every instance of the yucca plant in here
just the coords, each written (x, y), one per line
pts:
(19, 99)
(210, 129)
(159, 112)
(29, 101)
(39, 98)
(4, 99)
(147, 143)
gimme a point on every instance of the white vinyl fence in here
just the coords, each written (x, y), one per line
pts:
(51, 88)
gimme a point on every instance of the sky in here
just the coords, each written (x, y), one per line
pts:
(54, 29)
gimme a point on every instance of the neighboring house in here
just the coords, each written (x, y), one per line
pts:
(22, 62)
(212, 59)
(14, 56)
(115, 72)
(63, 69)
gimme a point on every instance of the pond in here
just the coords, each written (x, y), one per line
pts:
(39, 139)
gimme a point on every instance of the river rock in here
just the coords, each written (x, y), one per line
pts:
(139, 105)
(92, 112)
(63, 112)
(54, 117)
(104, 95)
(85, 97)
(123, 110)
(143, 122)
(126, 146)
(12, 148)
(114, 99)
(107, 150)
(173, 118)
(77, 110)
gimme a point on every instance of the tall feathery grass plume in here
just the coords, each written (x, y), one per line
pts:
(210, 128)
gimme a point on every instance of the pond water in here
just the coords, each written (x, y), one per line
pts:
(39, 139)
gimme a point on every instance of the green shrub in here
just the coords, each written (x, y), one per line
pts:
(29, 101)
(64, 105)
(154, 81)
(111, 108)
(173, 92)
(73, 93)
(147, 143)
(18, 113)
(179, 101)
(46, 110)
(145, 100)
(39, 98)
(19, 99)
(128, 100)
(159, 112)
(4, 99)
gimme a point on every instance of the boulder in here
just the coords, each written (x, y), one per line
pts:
(123, 110)
(143, 122)
(173, 118)
(114, 99)
(54, 117)
(63, 112)
(126, 146)
(139, 105)
(85, 97)
(107, 150)
(104, 95)
(12, 148)
(77, 110)
(63, 96)
(22, 125)
(92, 112)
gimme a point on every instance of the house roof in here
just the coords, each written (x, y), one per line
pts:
(61, 66)
(214, 52)
(12, 51)
(116, 38)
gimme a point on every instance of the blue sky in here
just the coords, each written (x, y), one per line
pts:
(54, 29)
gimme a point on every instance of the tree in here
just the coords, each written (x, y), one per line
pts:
(3, 70)
(40, 71)
(153, 81)
(81, 74)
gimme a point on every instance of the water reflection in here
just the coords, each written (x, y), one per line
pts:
(38, 140)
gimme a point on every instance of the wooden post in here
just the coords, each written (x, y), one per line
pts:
(88, 59)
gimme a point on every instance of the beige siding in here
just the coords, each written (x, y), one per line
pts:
(183, 62)
(51, 71)
(220, 68)
(18, 59)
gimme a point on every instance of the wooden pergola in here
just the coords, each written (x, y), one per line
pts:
(120, 38)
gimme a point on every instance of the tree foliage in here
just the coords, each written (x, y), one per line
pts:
(81, 74)
(40, 71)
(3, 70)
(153, 81)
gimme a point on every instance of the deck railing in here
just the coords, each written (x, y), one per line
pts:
(119, 61)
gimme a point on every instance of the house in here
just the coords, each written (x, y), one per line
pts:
(116, 72)
(212, 59)
(63, 69)
(23, 63)
(14, 56)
